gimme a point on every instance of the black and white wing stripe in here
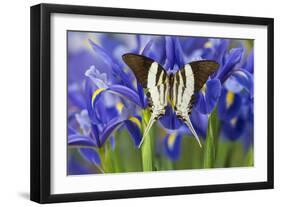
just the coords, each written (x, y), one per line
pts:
(154, 79)
(187, 81)
(147, 71)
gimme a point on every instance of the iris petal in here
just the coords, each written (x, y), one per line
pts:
(234, 128)
(126, 92)
(231, 60)
(199, 122)
(229, 105)
(74, 167)
(90, 155)
(155, 49)
(75, 96)
(111, 68)
(179, 53)
(70, 131)
(133, 125)
(243, 78)
(170, 120)
(249, 64)
(207, 101)
(172, 145)
(169, 47)
(111, 126)
(77, 139)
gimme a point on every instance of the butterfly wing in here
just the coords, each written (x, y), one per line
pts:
(201, 70)
(186, 82)
(154, 80)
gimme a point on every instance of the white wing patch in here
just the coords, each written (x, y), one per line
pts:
(151, 79)
(183, 89)
(158, 98)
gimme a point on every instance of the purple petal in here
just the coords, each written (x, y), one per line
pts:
(172, 146)
(91, 155)
(206, 102)
(102, 58)
(199, 122)
(77, 139)
(110, 66)
(133, 125)
(244, 78)
(179, 53)
(113, 125)
(232, 59)
(169, 47)
(70, 131)
(229, 105)
(74, 167)
(155, 49)
(249, 64)
(126, 93)
(170, 120)
(232, 130)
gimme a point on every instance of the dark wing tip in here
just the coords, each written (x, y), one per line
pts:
(212, 64)
(209, 61)
(130, 55)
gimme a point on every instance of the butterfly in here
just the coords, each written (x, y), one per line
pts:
(176, 89)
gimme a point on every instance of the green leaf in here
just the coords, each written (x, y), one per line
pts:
(211, 140)
(249, 160)
(147, 145)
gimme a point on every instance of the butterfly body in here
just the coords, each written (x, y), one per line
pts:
(176, 89)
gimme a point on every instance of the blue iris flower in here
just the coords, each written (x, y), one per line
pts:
(107, 91)
(107, 97)
(235, 107)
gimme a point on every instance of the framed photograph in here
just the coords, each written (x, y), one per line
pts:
(133, 103)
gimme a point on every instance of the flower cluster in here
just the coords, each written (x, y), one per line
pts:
(104, 97)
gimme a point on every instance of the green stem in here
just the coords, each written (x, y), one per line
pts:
(211, 141)
(101, 152)
(147, 145)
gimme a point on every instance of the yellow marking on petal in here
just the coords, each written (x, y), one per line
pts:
(171, 140)
(229, 98)
(93, 38)
(87, 44)
(208, 44)
(233, 121)
(119, 107)
(97, 92)
(135, 120)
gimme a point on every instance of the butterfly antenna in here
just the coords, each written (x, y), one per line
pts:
(189, 124)
(148, 127)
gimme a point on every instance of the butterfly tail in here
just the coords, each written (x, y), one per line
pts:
(148, 127)
(189, 124)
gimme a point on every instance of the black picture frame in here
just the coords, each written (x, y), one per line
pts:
(41, 98)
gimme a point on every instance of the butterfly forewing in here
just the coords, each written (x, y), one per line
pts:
(186, 82)
(202, 69)
(154, 79)
(148, 72)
